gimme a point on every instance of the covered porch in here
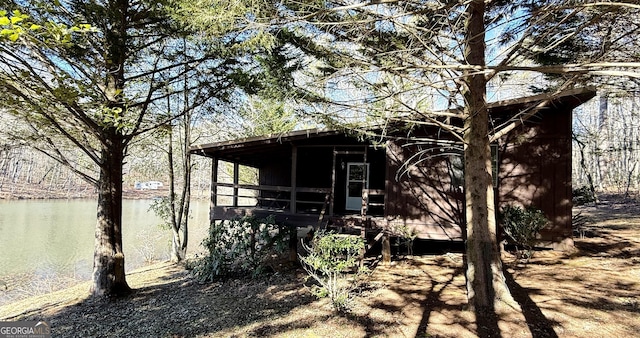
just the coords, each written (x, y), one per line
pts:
(305, 178)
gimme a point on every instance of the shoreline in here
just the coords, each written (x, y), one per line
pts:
(126, 195)
(77, 291)
(22, 286)
(67, 259)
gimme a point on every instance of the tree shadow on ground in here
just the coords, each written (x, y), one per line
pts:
(177, 306)
(610, 230)
(443, 304)
(609, 241)
(610, 205)
(487, 321)
(620, 248)
(539, 325)
(433, 301)
(439, 304)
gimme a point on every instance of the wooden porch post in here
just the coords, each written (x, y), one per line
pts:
(214, 187)
(293, 235)
(294, 168)
(386, 249)
(365, 189)
(293, 244)
(363, 207)
(333, 183)
(236, 180)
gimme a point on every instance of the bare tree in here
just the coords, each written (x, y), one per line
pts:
(608, 143)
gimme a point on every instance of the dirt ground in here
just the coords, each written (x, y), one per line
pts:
(592, 291)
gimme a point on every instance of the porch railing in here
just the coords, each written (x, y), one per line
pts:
(306, 200)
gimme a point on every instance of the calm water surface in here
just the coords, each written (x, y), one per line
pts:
(50, 238)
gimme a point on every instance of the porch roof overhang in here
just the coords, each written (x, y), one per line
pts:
(261, 149)
(567, 99)
(255, 151)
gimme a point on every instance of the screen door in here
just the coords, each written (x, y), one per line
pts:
(357, 174)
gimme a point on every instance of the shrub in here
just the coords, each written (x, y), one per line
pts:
(240, 246)
(407, 236)
(583, 195)
(522, 226)
(331, 257)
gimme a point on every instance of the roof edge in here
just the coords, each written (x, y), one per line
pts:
(582, 94)
(589, 91)
(269, 138)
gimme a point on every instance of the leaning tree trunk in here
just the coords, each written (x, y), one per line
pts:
(485, 279)
(178, 223)
(186, 178)
(108, 258)
(183, 235)
(180, 217)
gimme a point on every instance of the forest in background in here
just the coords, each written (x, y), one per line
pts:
(28, 174)
(606, 147)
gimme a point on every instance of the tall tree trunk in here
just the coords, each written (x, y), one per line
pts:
(178, 242)
(485, 279)
(585, 168)
(108, 258)
(186, 189)
(180, 217)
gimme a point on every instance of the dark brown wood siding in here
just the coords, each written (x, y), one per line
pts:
(276, 172)
(535, 169)
(313, 171)
(420, 193)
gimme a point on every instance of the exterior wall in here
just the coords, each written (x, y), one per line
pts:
(535, 169)
(420, 194)
(275, 173)
(313, 171)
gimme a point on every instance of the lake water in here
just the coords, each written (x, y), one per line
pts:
(51, 238)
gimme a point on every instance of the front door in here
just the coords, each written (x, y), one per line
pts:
(357, 174)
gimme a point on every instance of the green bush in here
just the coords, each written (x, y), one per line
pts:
(332, 259)
(522, 226)
(583, 195)
(240, 246)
